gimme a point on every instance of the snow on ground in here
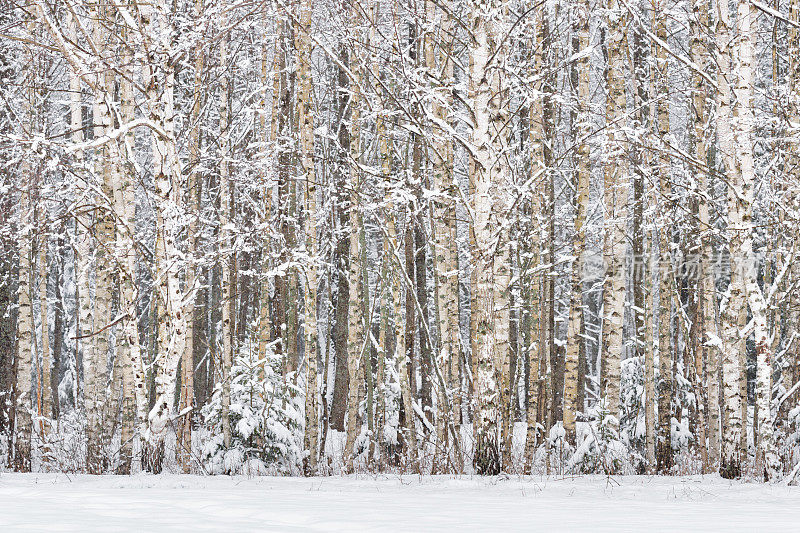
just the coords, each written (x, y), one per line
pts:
(57, 502)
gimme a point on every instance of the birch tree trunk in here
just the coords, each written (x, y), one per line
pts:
(766, 460)
(574, 338)
(129, 350)
(641, 272)
(226, 239)
(445, 260)
(733, 316)
(96, 366)
(706, 354)
(664, 457)
(187, 394)
(356, 344)
(45, 393)
(23, 364)
(488, 171)
(160, 88)
(307, 161)
(535, 341)
(616, 200)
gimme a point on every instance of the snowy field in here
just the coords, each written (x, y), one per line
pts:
(56, 502)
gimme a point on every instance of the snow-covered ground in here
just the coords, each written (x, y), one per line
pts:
(56, 502)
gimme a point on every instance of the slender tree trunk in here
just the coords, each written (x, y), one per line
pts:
(45, 393)
(733, 318)
(766, 460)
(616, 200)
(488, 177)
(187, 394)
(129, 350)
(307, 160)
(341, 258)
(705, 355)
(534, 285)
(356, 342)
(23, 365)
(227, 264)
(574, 338)
(641, 273)
(664, 457)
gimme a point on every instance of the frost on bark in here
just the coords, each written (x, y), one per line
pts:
(106, 159)
(187, 403)
(533, 289)
(440, 67)
(642, 295)
(129, 351)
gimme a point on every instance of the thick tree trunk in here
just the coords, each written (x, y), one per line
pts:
(167, 172)
(488, 179)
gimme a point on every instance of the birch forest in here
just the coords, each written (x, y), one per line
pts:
(315, 237)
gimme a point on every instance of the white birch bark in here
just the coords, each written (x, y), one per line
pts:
(766, 460)
(732, 319)
(226, 239)
(616, 200)
(160, 83)
(491, 276)
(574, 339)
(129, 350)
(23, 407)
(307, 161)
